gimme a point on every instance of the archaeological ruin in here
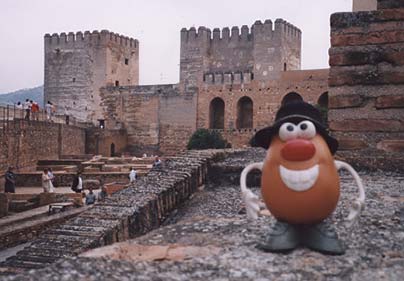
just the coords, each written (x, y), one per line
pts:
(184, 218)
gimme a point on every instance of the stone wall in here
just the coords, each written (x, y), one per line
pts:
(263, 50)
(367, 85)
(24, 143)
(266, 99)
(77, 65)
(127, 214)
(158, 118)
(106, 142)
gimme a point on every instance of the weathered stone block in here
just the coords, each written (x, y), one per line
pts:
(351, 144)
(390, 4)
(371, 38)
(391, 145)
(345, 101)
(366, 75)
(47, 198)
(350, 56)
(390, 102)
(363, 125)
(341, 21)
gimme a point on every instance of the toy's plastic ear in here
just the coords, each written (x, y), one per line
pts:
(262, 138)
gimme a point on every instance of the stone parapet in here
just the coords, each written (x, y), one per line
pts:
(366, 82)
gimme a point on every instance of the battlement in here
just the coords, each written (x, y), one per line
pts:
(244, 34)
(228, 78)
(104, 36)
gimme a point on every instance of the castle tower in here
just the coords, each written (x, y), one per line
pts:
(77, 65)
(261, 52)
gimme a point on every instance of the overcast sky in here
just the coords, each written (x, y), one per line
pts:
(155, 23)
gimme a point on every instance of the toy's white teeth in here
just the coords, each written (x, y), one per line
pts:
(299, 180)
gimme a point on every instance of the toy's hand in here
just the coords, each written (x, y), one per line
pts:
(252, 204)
(359, 203)
(354, 212)
(251, 201)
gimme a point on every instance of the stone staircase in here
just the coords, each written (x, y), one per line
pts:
(127, 214)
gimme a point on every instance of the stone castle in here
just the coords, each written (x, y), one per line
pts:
(232, 80)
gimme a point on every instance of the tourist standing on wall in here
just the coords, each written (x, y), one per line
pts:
(46, 182)
(132, 176)
(49, 110)
(77, 185)
(34, 110)
(27, 108)
(10, 181)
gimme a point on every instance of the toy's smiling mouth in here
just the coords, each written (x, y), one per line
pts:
(299, 180)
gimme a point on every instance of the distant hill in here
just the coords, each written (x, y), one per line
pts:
(35, 94)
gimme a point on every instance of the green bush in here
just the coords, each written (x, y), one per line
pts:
(205, 139)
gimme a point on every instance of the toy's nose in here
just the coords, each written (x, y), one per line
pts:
(298, 150)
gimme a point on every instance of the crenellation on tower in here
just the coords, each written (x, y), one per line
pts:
(265, 50)
(245, 33)
(78, 64)
(226, 34)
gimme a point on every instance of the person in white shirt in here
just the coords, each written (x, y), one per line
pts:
(27, 107)
(132, 176)
(19, 105)
(47, 182)
(49, 109)
(77, 185)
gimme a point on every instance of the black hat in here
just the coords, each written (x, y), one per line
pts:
(294, 112)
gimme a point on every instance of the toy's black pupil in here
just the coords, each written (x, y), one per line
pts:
(303, 127)
(290, 128)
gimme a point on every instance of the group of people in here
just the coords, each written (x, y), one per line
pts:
(31, 109)
(47, 180)
(77, 186)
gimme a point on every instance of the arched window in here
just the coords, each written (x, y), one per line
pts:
(323, 100)
(112, 149)
(245, 113)
(291, 97)
(322, 105)
(216, 114)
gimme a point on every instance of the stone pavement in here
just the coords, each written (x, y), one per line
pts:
(207, 239)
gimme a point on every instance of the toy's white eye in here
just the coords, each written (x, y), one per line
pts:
(288, 131)
(306, 130)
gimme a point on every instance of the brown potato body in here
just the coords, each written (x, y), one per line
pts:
(304, 207)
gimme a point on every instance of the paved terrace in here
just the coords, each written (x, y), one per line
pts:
(208, 238)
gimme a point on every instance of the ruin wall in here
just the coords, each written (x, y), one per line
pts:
(106, 142)
(366, 86)
(266, 98)
(24, 143)
(158, 118)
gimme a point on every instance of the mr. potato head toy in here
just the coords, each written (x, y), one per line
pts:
(300, 182)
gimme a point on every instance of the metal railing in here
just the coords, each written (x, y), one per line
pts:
(10, 115)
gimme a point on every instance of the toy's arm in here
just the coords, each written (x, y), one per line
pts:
(251, 201)
(357, 206)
